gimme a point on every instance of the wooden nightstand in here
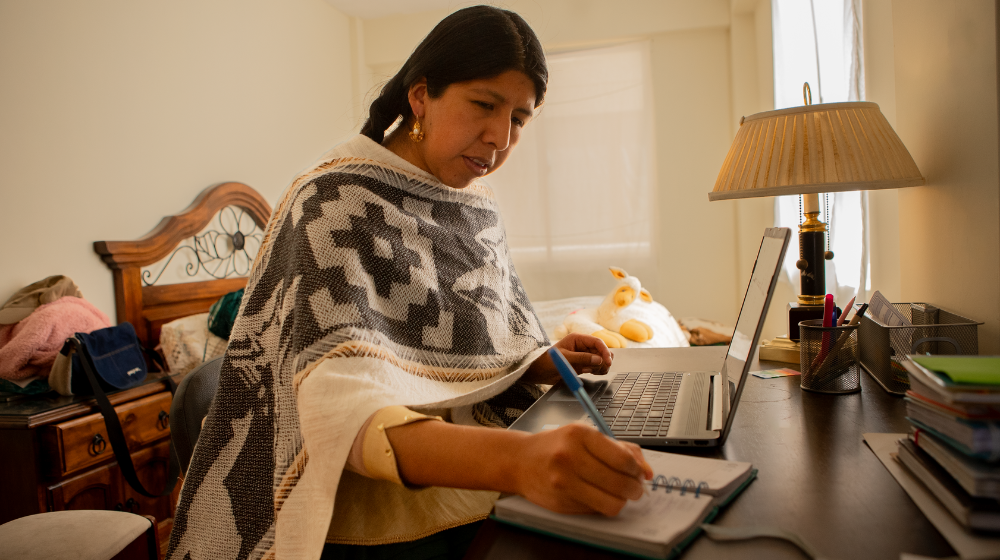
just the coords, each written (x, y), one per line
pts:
(57, 455)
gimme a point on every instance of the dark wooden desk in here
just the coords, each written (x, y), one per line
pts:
(817, 478)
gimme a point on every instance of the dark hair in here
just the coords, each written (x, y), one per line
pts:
(472, 43)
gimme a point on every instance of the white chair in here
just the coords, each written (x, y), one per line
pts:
(79, 535)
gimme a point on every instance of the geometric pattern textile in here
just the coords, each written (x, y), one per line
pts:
(375, 285)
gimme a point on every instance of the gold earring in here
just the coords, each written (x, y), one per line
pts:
(416, 134)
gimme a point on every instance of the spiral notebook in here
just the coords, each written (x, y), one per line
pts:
(685, 492)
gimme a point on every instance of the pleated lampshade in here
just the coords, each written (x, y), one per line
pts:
(815, 149)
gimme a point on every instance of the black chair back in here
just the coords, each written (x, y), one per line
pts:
(190, 405)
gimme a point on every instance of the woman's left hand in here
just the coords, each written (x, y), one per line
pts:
(587, 354)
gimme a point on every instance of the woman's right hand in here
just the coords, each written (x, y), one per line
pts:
(577, 469)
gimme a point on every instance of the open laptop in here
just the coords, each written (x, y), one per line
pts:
(675, 408)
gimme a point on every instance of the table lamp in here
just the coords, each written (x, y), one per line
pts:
(808, 150)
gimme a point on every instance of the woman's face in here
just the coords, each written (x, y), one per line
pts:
(470, 130)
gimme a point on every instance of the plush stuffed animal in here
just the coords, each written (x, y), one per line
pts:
(626, 317)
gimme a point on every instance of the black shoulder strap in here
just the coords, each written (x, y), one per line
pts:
(117, 435)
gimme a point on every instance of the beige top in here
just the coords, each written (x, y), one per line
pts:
(374, 506)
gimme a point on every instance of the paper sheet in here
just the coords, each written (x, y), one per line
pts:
(881, 309)
(969, 547)
(772, 373)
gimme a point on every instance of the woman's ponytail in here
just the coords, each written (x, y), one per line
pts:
(387, 107)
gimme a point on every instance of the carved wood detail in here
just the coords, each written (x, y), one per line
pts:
(171, 230)
(149, 307)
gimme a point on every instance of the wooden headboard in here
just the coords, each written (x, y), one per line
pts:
(148, 306)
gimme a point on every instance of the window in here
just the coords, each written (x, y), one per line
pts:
(578, 196)
(819, 42)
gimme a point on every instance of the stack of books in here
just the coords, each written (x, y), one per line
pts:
(953, 446)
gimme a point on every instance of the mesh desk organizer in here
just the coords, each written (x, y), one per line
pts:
(933, 331)
(829, 358)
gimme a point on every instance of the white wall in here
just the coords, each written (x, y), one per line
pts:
(945, 60)
(880, 87)
(115, 113)
(932, 68)
(698, 261)
(559, 24)
(753, 92)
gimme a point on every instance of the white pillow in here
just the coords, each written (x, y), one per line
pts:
(552, 312)
(187, 342)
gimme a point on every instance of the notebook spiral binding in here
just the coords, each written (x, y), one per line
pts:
(687, 485)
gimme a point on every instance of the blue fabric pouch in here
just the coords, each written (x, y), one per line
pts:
(116, 357)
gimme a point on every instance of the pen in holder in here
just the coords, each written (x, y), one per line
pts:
(829, 357)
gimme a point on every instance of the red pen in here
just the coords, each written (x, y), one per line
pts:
(827, 323)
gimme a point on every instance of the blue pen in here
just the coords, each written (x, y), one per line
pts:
(573, 382)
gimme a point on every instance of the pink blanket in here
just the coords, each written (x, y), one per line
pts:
(29, 347)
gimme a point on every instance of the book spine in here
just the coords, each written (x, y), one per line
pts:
(963, 431)
(945, 496)
(990, 457)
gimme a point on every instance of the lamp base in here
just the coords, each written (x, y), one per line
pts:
(798, 312)
(812, 301)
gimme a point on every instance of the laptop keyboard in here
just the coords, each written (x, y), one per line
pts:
(640, 404)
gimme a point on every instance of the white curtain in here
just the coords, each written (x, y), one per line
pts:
(577, 195)
(819, 42)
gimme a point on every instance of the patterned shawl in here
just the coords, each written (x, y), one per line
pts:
(375, 285)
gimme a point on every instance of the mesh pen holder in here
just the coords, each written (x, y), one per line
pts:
(829, 358)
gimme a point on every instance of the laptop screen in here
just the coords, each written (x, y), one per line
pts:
(755, 304)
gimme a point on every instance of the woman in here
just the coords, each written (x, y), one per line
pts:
(382, 303)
